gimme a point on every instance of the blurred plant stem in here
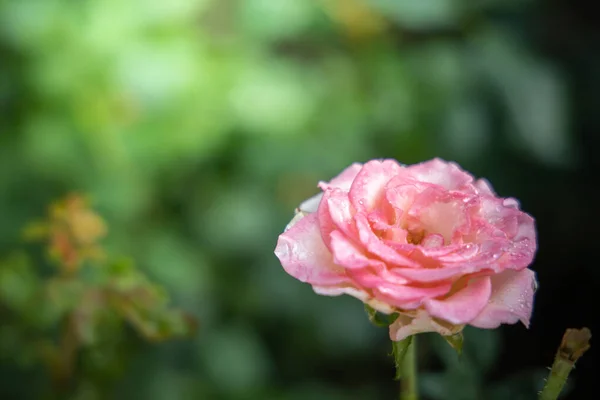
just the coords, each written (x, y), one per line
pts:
(574, 343)
(408, 383)
(67, 352)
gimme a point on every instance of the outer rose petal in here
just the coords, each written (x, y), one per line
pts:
(359, 294)
(306, 207)
(347, 254)
(368, 186)
(511, 299)
(311, 205)
(406, 325)
(506, 223)
(303, 254)
(426, 275)
(409, 297)
(336, 212)
(440, 172)
(483, 186)
(343, 180)
(464, 305)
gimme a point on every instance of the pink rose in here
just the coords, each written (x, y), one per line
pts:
(427, 241)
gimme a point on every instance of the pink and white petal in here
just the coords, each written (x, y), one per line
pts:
(432, 241)
(470, 255)
(511, 203)
(502, 214)
(354, 292)
(409, 296)
(374, 276)
(406, 325)
(306, 207)
(336, 209)
(438, 211)
(312, 204)
(464, 305)
(344, 180)
(382, 220)
(297, 217)
(512, 228)
(451, 251)
(347, 254)
(511, 299)
(426, 275)
(484, 187)
(366, 272)
(368, 187)
(439, 172)
(376, 246)
(400, 195)
(304, 256)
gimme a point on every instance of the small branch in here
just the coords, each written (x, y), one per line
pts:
(574, 343)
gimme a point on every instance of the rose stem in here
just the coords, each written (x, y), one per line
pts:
(574, 343)
(408, 383)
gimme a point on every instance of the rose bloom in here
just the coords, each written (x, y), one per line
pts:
(426, 241)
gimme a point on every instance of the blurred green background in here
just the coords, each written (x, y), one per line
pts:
(197, 126)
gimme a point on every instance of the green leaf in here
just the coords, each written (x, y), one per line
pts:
(455, 341)
(399, 350)
(380, 319)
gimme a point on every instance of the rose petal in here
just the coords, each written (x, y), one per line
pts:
(426, 275)
(354, 292)
(464, 305)
(376, 246)
(347, 254)
(303, 254)
(312, 204)
(432, 241)
(438, 211)
(375, 276)
(406, 325)
(336, 212)
(344, 180)
(483, 186)
(439, 172)
(401, 196)
(511, 299)
(306, 207)
(408, 297)
(368, 186)
(510, 228)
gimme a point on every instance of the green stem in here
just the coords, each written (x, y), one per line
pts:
(556, 380)
(408, 383)
(575, 342)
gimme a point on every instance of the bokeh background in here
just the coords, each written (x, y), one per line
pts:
(197, 126)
